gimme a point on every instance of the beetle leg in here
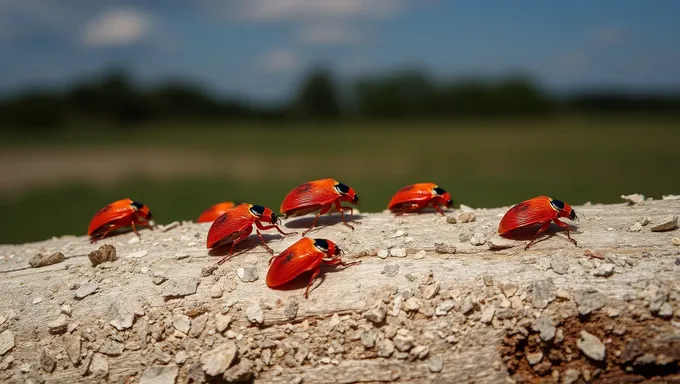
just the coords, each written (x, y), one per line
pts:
(321, 212)
(340, 262)
(271, 251)
(111, 228)
(134, 229)
(341, 208)
(566, 227)
(233, 245)
(436, 206)
(541, 230)
(265, 227)
(342, 212)
(311, 280)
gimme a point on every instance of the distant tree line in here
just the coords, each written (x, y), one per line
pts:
(114, 97)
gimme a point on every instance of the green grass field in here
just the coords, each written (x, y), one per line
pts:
(480, 163)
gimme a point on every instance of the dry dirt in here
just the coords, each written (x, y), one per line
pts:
(430, 302)
(31, 168)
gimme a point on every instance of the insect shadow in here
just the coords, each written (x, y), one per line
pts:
(124, 231)
(244, 246)
(323, 220)
(528, 233)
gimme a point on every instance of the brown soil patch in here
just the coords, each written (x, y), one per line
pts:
(30, 168)
(637, 351)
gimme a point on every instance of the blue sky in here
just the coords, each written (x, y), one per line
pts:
(261, 48)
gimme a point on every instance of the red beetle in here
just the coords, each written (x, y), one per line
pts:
(119, 214)
(539, 210)
(318, 195)
(236, 225)
(303, 256)
(214, 211)
(418, 196)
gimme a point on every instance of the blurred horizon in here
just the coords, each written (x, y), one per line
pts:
(181, 105)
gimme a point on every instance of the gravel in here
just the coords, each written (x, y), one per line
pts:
(534, 358)
(403, 342)
(444, 307)
(182, 323)
(72, 347)
(41, 260)
(544, 326)
(543, 293)
(435, 363)
(122, 313)
(466, 217)
(498, 243)
(591, 346)
(390, 270)
(159, 374)
(59, 324)
(181, 288)
(478, 239)
(385, 348)
(487, 314)
(588, 301)
(667, 224)
(106, 252)
(559, 265)
(99, 367)
(219, 359)
(222, 322)
(604, 270)
(571, 376)
(398, 252)
(255, 314)
(47, 361)
(375, 315)
(6, 341)
(247, 274)
(86, 289)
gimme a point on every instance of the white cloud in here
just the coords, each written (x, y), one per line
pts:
(326, 34)
(278, 60)
(123, 26)
(276, 10)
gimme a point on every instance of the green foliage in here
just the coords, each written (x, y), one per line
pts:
(114, 98)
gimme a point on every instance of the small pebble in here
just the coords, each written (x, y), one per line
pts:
(467, 217)
(478, 239)
(675, 241)
(591, 346)
(637, 227)
(435, 363)
(421, 254)
(534, 358)
(390, 270)
(398, 252)
(667, 224)
(41, 260)
(255, 314)
(498, 243)
(383, 253)
(604, 270)
(138, 254)
(634, 199)
(134, 240)
(37, 300)
(216, 291)
(247, 274)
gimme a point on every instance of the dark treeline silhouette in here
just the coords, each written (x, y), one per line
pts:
(115, 98)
